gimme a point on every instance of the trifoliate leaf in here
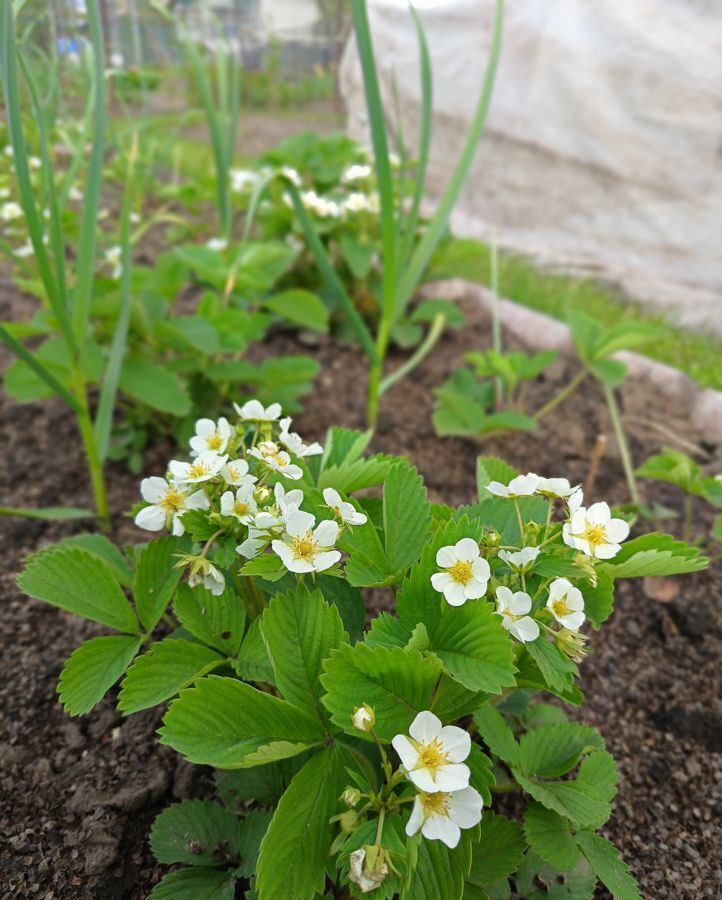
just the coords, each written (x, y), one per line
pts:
(300, 307)
(156, 577)
(79, 582)
(572, 799)
(418, 600)
(264, 784)
(367, 565)
(406, 516)
(294, 851)
(549, 835)
(195, 832)
(93, 669)
(557, 669)
(553, 750)
(163, 671)
(387, 631)
(498, 851)
(599, 771)
(252, 662)
(195, 883)
(154, 385)
(300, 630)
(217, 621)
(396, 683)
(104, 548)
(439, 871)
(608, 865)
(474, 647)
(492, 468)
(221, 722)
(497, 735)
(654, 554)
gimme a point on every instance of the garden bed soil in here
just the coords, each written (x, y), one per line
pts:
(78, 795)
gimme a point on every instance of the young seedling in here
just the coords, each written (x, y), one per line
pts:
(371, 755)
(676, 468)
(404, 253)
(469, 407)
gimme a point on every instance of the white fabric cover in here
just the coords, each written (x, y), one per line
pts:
(603, 147)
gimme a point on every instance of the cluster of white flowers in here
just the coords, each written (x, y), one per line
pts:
(231, 475)
(433, 757)
(464, 574)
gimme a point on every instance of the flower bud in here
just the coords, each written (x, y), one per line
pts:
(347, 821)
(364, 718)
(368, 867)
(572, 644)
(351, 796)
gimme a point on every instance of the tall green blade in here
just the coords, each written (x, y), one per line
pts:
(106, 405)
(379, 140)
(11, 91)
(329, 274)
(427, 96)
(27, 357)
(85, 269)
(428, 243)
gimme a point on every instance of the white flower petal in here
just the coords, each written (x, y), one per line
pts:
(425, 727)
(153, 489)
(408, 754)
(441, 828)
(439, 580)
(456, 741)
(326, 533)
(416, 820)
(452, 777)
(455, 593)
(152, 518)
(465, 807)
(446, 557)
(467, 550)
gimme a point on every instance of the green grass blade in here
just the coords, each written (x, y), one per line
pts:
(27, 357)
(11, 91)
(46, 513)
(85, 269)
(328, 273)
(384, 175)
(427, 98)
(437, 226)
(106, 404)
(56, 232)
(203, 86)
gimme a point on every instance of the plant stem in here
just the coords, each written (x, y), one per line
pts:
(495, 317)
(380, 826)
(687, 517)
(432, 336)
(95, 465)
(622, 444)
(565, 392)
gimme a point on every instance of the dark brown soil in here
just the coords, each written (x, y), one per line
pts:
(78, 796)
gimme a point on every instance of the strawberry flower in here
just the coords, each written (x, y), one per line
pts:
(167, 502)
(304, 548)
(465, 574)
(566, 604)
(441, 815)
(513, 609)
(433, 754)
(595, 532)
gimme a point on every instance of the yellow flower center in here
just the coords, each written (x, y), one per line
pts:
(304, 547)
(199, 469)
(461, 572)
(173, 501)
(595, 535)
(432, 756)
(215, 441)
(435, 804)
(560, 606)
(240, 508)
